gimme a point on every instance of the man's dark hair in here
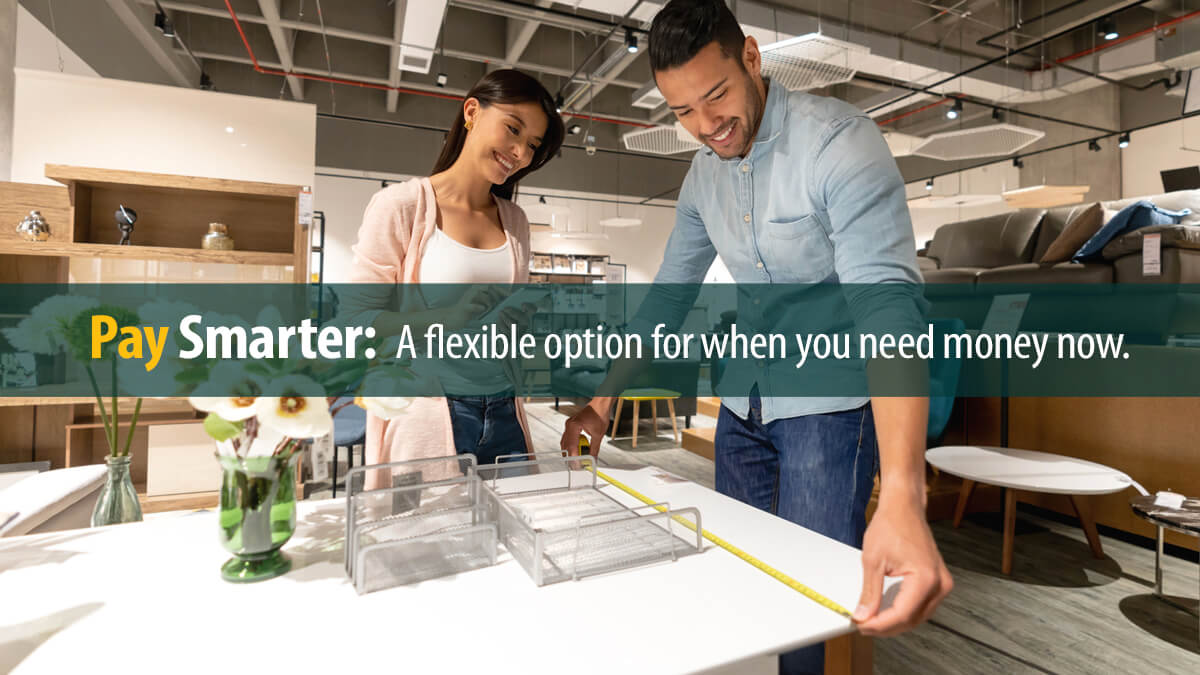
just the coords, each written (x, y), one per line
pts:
(684, 27)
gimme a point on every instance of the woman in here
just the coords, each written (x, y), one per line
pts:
(458, 226)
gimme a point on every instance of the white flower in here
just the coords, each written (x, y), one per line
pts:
(385, 407)
(298, 410)
(265, 444)
(229, 392)
(386, 379)
(42, 331)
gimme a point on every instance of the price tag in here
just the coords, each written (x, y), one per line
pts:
(1152, 255)
(306, 206)
(322, 455)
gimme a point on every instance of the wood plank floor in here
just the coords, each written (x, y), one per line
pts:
(1061, 611)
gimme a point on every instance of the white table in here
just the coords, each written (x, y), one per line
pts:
(148, 597)
(1032, 471)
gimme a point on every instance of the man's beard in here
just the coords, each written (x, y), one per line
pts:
(752, 115)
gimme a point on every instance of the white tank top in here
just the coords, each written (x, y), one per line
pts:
(446, 261)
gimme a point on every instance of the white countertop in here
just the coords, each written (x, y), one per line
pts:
(148, 597)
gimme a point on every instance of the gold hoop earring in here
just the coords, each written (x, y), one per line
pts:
(467, 125)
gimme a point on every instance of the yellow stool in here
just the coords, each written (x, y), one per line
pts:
(636, 396)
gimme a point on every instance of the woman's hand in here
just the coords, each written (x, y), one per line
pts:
(472, 305)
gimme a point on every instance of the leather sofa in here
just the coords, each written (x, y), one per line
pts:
(1005, 248)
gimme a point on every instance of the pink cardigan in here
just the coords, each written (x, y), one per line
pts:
(396, 227)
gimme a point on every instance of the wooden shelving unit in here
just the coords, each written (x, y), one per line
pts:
(173, 217)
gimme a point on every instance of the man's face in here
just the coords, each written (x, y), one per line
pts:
(718, 99)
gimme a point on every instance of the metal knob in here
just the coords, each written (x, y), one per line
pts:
(34, 227)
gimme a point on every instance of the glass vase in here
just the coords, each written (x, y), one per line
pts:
(257, 515)
(118, 501)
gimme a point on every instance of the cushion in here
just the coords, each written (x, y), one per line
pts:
(1173, 236)
(1078, 230)
(1172, 201)
(994, 241)
(40, 497)
(924, 263)
(952, 275)
(1053, 223)
(1133, 217)
(1179, 266)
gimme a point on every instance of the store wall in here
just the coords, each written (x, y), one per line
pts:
(98, 122)
(1156, 149)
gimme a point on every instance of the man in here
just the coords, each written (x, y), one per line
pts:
(794, 189)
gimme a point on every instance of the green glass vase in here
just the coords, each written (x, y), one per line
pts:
(257, 515)
(118, 501)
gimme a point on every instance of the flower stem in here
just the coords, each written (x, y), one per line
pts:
(137, 409)
(116, 417)
(103, 414)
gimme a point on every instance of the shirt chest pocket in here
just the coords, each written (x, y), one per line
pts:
(799, 249)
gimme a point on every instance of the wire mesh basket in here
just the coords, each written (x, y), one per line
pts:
(556, 522)
(415, 521)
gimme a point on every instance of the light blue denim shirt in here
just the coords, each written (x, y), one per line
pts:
(817, 199)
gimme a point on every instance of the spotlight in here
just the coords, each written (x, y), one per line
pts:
(1093, 145)
(574, 129)
(558, 103)
(1018, 163)
(631, 42)
(1108, 29)
(1123, 140)
(929, 184)
(542, 199)
(590, 146)
(441, 79)
(955, 110)
(163, 23)
(206, 82)
(997, 115)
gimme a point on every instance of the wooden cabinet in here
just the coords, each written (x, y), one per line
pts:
(173, 217)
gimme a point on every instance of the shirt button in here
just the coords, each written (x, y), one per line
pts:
(746, 217)
(756, 299)
(745, 168)
(759, 265)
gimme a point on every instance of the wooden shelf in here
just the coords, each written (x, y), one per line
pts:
(111, 178)
(135, 252)
(179, 502)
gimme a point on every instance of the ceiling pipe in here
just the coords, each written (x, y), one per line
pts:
(258, 68)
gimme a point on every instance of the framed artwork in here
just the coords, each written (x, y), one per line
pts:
(579, 265)
(598, 267)
(542, 262)
(18, 369)
(562, 263)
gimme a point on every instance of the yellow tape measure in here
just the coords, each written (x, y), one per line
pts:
(782, 578)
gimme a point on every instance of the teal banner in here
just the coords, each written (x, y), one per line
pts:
(819, 340)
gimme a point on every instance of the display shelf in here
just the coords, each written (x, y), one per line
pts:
(197, 255)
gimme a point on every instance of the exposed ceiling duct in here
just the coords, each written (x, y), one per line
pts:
(422, 24)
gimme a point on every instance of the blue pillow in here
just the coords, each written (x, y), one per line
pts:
(1133, 217)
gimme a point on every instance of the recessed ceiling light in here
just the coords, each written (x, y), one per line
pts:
(229, 130)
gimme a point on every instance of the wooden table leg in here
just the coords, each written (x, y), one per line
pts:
(964, 495)
(654, 415)
(674, 425)
(1010, 526)
(1084, 512)
(617, 417)
(849, 655)
(636, 409)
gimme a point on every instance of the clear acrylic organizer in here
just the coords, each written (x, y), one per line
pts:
(429, 519)
(558, 524)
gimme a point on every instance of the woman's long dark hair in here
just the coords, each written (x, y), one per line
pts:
(506, 87)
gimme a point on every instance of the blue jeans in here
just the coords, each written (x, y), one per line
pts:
(486, 426)
(817, 471)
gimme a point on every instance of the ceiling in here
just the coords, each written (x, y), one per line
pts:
(359, 43)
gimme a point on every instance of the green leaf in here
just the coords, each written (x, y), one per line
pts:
(221, 429)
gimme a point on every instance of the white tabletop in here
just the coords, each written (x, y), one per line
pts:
(148, 597)
(1028, 470)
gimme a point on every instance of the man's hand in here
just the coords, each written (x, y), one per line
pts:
(592, 420)
(898, 543)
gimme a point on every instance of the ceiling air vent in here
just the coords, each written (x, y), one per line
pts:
(659, 141)
(648, 97)
(992, 140)
(810, 61)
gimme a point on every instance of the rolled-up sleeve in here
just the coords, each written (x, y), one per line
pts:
(856, 178)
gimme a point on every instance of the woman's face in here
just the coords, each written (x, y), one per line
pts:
(503, 137)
